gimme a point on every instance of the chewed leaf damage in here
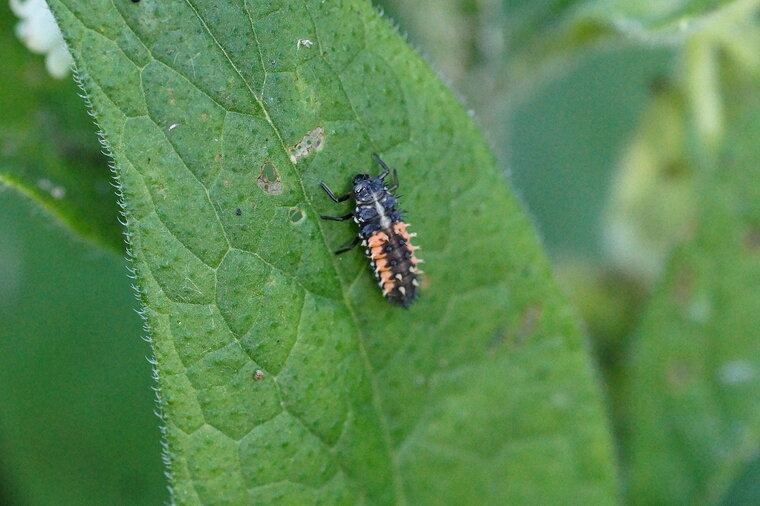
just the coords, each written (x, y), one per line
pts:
(269, 179)
(309, 143)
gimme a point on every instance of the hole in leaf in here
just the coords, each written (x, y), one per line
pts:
(296, 215)
(269, 179)
(311, 142)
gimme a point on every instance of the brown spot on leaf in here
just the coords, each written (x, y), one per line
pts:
(311, 142)
(424, 280)
(683, 286)
(752, 240)
(528, 322)
(269, 179)
(679, 376)
(526, 326)
(675, 169)
(258, 375)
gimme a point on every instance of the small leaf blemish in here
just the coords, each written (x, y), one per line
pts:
(269, 179)
(296, 215)
(752, 240)
(680, 375)
(311, 142)
(529, 320)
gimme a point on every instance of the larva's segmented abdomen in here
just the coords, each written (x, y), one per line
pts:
(394, 263)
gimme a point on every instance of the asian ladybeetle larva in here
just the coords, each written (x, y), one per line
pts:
(383, 234)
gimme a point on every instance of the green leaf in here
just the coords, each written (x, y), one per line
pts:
(285, 377)
(693, 428)
(48, 151)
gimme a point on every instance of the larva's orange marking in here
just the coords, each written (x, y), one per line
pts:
(381, 264)
(377, 239)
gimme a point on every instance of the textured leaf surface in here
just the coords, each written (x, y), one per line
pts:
(47, 148)
(693, 403)
(285, 376)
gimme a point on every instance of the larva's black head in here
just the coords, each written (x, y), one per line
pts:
(359, 178)
(366, 188)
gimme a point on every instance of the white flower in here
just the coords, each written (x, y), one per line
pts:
(40, 34)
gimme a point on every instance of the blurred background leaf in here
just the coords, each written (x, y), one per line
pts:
(76, 406)
(48, 147)
(692, 417)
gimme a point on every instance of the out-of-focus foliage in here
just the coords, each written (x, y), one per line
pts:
(48, 146)
(76, 406)
(692, 424)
